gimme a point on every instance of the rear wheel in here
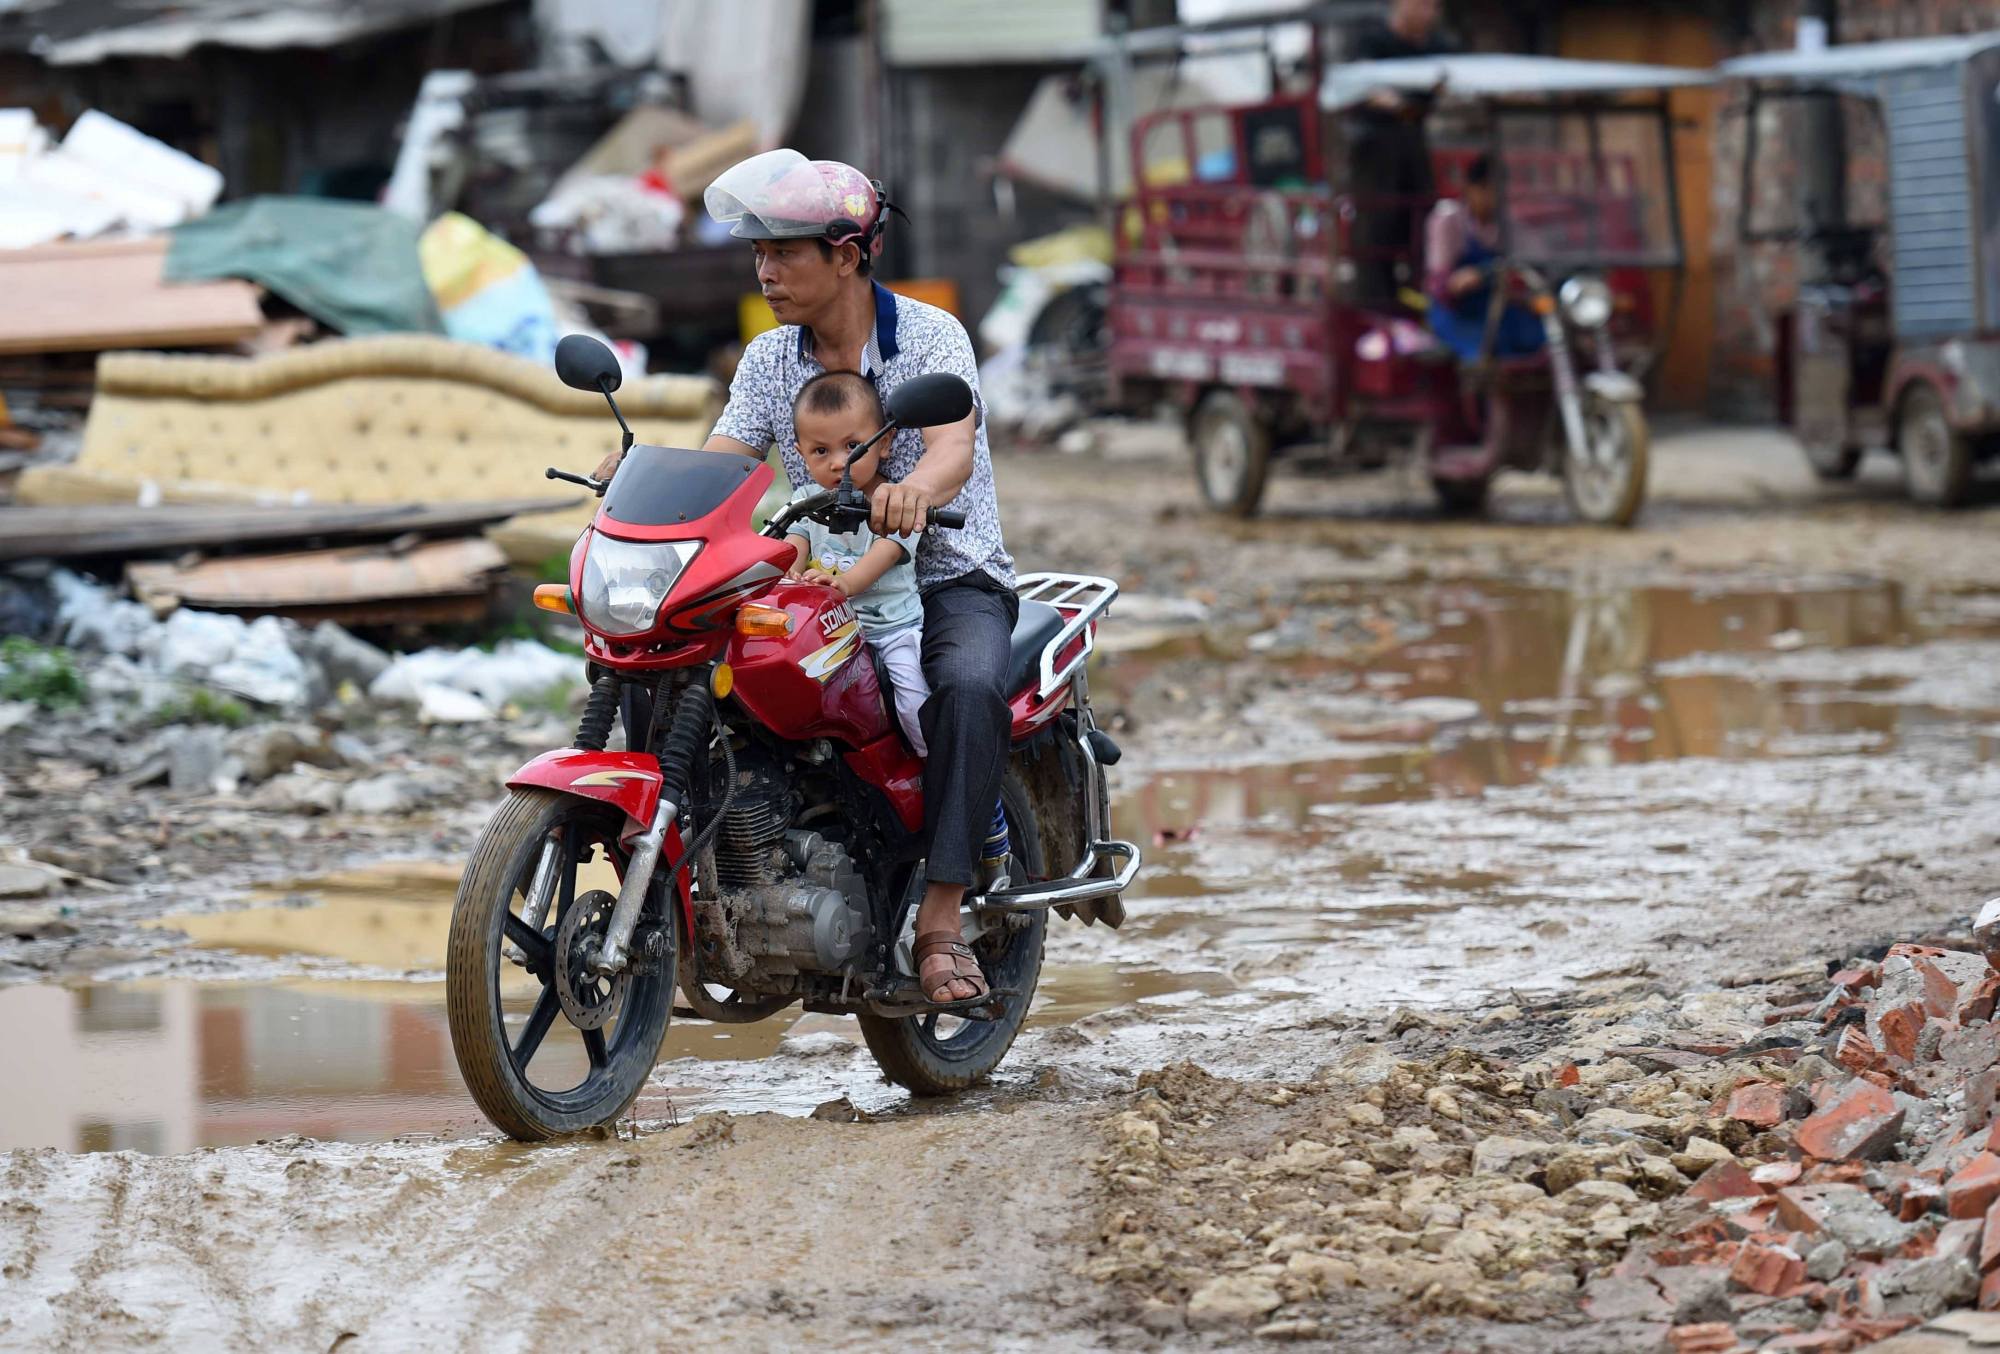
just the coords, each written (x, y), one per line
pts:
(1232, 453)
(547, 1047)
(1937, 460)
(1607, 486)
(938, 1054)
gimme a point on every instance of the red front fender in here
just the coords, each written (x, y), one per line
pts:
(629, 782)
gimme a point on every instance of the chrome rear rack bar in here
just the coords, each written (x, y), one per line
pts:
(1082, 598)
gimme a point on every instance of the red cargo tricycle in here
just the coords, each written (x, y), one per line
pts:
(1235, 295)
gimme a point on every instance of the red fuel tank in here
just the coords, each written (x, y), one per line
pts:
(814, 682)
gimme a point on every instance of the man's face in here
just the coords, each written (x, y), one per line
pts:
(798, 278)
(827, 440)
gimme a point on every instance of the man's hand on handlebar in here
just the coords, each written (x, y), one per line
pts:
(608, 466)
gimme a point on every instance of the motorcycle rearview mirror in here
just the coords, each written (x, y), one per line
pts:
(929, 401)
(583, 363)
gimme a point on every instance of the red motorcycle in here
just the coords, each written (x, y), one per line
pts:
(765, 827)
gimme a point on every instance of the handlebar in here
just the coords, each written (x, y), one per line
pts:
(595, 486)
(825, 504)
(948, 518)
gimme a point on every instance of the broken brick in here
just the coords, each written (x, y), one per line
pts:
(1900, 1026)
(1822, 1341)
(1724, 1180)
(1568, 1075)
(1769, 1270)
(1970, 1192)
(1979, 1003)
(1854, 1051)
(1783, 1014)
(1776, 1174)
(1907, 950)
(1759, 1103)
(1989, 1246)
(1860, 1123)
(1706, 1337)
(1854, 979)
(1989, 1292)
(1918, 1198)
(1940, 992)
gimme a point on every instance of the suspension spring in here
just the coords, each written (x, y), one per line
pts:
(600, 713)
(684, 740)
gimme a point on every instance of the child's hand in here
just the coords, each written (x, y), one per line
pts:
(819, 575)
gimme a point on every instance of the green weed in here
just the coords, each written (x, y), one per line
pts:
(39, 674)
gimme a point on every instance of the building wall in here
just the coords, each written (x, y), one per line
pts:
(945, 130)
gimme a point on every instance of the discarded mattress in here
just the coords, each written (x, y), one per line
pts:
(398, 419)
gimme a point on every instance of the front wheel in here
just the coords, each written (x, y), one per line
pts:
(1831, 461)
(545, 1046)
(1607, 485)
(938, 1054)
(1232, 453)
(1937, 459)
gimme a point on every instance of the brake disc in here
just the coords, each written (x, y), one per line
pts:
(589, 999)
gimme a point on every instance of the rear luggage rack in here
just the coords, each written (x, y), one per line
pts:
(1081, 598)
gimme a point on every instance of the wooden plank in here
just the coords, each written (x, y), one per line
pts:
(79, 297)
(347, 577)
(123, 530)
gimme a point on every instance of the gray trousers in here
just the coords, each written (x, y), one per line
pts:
(968, 628)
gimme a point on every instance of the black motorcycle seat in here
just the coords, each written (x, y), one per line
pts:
(1039, 624)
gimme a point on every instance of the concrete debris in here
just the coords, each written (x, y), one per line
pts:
(438, 680)
(1790, 1184)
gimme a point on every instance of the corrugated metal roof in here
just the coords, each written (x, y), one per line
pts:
(1500, 76)
(967, 32)
(1859, 60)
(83, 32)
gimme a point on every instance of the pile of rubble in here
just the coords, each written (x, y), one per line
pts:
(1808, 1163)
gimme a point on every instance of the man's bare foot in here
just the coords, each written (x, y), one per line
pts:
(944, 974)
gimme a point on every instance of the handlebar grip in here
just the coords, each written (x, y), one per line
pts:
(948, 518)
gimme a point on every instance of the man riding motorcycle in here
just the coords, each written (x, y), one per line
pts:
(815, 228)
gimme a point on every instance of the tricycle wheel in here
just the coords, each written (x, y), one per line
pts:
(1937, 459)
(1461, 498)
(1607, 486)
(1232, 453)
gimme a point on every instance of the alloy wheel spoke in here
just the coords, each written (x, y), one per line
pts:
(533, 944)
(593, 1044)
(537, 1028)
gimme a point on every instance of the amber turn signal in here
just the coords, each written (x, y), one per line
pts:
(1545, 305)
(722, 681)
(768, 621)
(555, 597)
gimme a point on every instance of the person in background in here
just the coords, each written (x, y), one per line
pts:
(1390, 158)
(1461, 245)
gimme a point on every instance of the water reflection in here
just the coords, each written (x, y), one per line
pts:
(1505, 683)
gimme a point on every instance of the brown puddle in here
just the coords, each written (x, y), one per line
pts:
(172, 1065)
(1503, 684)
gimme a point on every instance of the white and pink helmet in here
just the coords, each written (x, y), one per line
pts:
(781, 195)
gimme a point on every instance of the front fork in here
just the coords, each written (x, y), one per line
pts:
(679, 749)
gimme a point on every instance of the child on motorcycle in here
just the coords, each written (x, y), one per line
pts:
(835, 412)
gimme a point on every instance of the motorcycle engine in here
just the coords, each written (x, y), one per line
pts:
(795, 900)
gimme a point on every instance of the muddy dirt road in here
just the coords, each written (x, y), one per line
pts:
(1404, 780)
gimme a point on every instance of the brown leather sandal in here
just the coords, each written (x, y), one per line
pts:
(964, 967)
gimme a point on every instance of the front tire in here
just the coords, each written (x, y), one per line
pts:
(1937, 460)
(938, 1054)
(1232, 453)
(1831, 461)
(524, 1082)
(1461, 498)
(1610, 488)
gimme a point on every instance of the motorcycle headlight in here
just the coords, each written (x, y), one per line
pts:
(624, 582)
(1586, 300)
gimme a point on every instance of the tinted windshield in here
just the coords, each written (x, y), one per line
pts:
(657, 486)
(1587, 189)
